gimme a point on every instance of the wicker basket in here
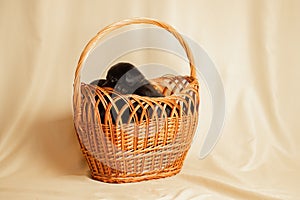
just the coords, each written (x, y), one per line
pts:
(149, 145)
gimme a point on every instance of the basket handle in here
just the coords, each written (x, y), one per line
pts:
(93, 42)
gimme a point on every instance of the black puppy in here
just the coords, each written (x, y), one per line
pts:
(127, 79)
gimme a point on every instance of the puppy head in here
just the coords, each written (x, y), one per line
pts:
(123, 74)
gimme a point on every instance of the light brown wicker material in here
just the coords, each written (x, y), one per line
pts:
(148, 145)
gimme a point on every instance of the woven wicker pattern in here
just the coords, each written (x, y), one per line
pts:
(144, 138)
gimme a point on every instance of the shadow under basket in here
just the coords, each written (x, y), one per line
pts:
(153, 139)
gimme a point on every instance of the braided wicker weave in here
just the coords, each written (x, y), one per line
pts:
(152, 143)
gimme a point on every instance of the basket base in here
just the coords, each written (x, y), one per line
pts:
(138, 178)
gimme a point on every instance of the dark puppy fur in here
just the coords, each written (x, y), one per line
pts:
(125, 78)
(98, 82)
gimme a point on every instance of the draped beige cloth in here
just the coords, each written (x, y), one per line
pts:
(256, 48)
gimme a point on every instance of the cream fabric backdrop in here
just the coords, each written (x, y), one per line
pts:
(255, 46)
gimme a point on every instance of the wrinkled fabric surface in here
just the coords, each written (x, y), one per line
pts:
(255, 46)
